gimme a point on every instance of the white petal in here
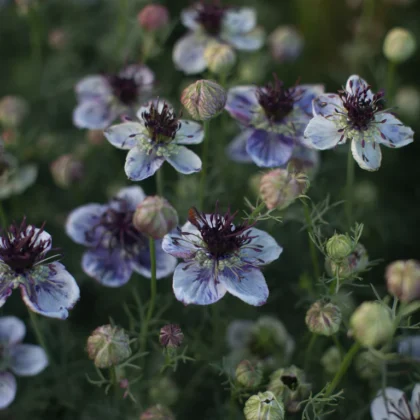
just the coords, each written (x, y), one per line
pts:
(250, 41)
(190, 132)
(184, 160)
(367, 154)
(394, 402)
(391, 131)
(415, 401)
(321, 134)
(125, 135)
(239, 333)
(132, 195)
(239, 20)
(7, 389)
(139, 165)
(181, 246)
(28, 360)
(189, 18)
(93, 87)
(188, 53)
(326, 104)
(143, 76)
(12, 330)
(356, 84)
(94, 114)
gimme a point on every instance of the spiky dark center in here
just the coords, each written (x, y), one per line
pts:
(210, 16)
(361, 107)
(21, 248)
(163, 125)
(290, 381)
(124, 88)
(276, 100)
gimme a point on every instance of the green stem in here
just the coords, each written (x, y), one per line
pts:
(3, 218)
(308, 352)
(38, 334)
(204, 159)
(337, 344)
(315, 263)
(345, 364)
(390, 83)
(35, 36)
(256, 212)
(123, 7)
(159, 182)
(113, 379)
(349, 187)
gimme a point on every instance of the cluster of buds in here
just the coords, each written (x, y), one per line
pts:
(220, 57)
(264, 405)
(249, 374)
(403, 280)
(323, 318)
(67, 170)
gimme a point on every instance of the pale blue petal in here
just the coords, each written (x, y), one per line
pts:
(195, 284)
(242, 103)
(50, 292)
(307, 93)
(415, 400)
(410, 347)
(28, 360)
(125, 135)
(188, 53)
(190, 132)
(7, 389)
(140, 165)
(143, 76)
(367, 154)
(93, 87)
(165, 263)
(184, 160)
(268, 149)
(239, 333)
(262, 249)
(237, 148)
(189, 18)
(392, 132)
(384, 408)
(239, 20)
(326, 104)
(132, 196)
(6, 289)
(94, 114)
(178, 245)
(321, 134)
(250, 41)
(356, 84)
(12, 330)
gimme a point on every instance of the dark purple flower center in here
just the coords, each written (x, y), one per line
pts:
(290, 381)
(20, 247)
(221, 236)
(124, 88)
(276, 100)
(163, 125)
(210, 16)
(361, 106)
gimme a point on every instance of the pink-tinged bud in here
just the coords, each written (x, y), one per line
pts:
(155, 217)
(153, 17)
(323, 318)
(171, 336)
(67, 170)
(204, 99)
(157, 412)
(58, 39)
(13, 110)
(403, 280)
(279, 188)
(286, 44)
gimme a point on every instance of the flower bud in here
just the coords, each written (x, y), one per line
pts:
(371, 324)
(204, 99)
(164, 391)
(331, 360)
(153, 17)
(403, 280)
(280, 187)
(264, 406)
(108, 346)
(399, 45)
(285, 43)
(157, 412)
(366, 194)
(171, 336)
(13, 110)
(220, 57)
(67, 170)
(289, 385)
(407, 101)
(323, 318)
(339, 247)
(367, 365)
(355, 262)
(155, 217)
(249, 374)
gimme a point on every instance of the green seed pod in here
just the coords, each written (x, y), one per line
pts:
(339, 247)
(164, 391)
(249, 374)
(331, 360)
(264, 406)
(323, 318)
(399, 45)
(367, 365)
(355, 262)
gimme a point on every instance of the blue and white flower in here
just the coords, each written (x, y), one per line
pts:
(115, 247)
(274, 118)
(356, 114)
(46, 287)
(392, 404)
(158, 135)
(410, 347)
(207, 22)
(220, 257)
(104, 98)
(16, 358)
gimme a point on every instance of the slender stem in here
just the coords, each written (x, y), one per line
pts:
(256, 212)
(159, 182)
(349, 187)
(3, 218)
(204, 159)
(309, 350)
(38, 334)
(337, 344)
(36, 36)
(113, 379)
(123, 7)
(390, 82)
(232, 406)
(315, 263)
(345, 364)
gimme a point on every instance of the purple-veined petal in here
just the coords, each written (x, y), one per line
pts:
(268, 149)
(50, 290)
(190, 132)
(110, 268)
(367, 154)
(242, 102)
(165, 263)
(391, 131)
(321, 134)
(140, 165)
(181, 246)
(12, 330)
(143, 76)
(239, 333)
(245, 282)
(132, 196)
(415, 400)
(184, 160)
(307, 93)
(262, 249)
(94, 114)
(93, 87)
(28, 360)
(196, 284)
(188, 53)
(410, 347)
(239, 20)
(125, 135)
(326, 104)
(189, 17)
(393, 407)
(6, 289)
(250, 41)
(237, 148)
(7, 389)
(355, 84)
(80, 223)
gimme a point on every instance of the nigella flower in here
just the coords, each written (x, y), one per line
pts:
(410, 347)
(156, 137)
(16, 358)
(47, 287)
(356, 114)
(392, 404)
(210, 21)
(220, 257)
(103, 98)
(115, 247)
(275, 119)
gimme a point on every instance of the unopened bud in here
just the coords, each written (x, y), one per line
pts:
(264, 406)
(220, 57)
(157, 412)
(13, 110)
(249, 374)
(371, 324)
(355, 262)
(204, 99)
(403, 280)
(155, 217)
(153, 17)
(286, 44)
(108, 346)
(67, 170)
(331, 360)
(399, 45)
(407, 101)
(339, 247)
(171, 336)
(323, 318)
(164, 391)
(367, 365)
